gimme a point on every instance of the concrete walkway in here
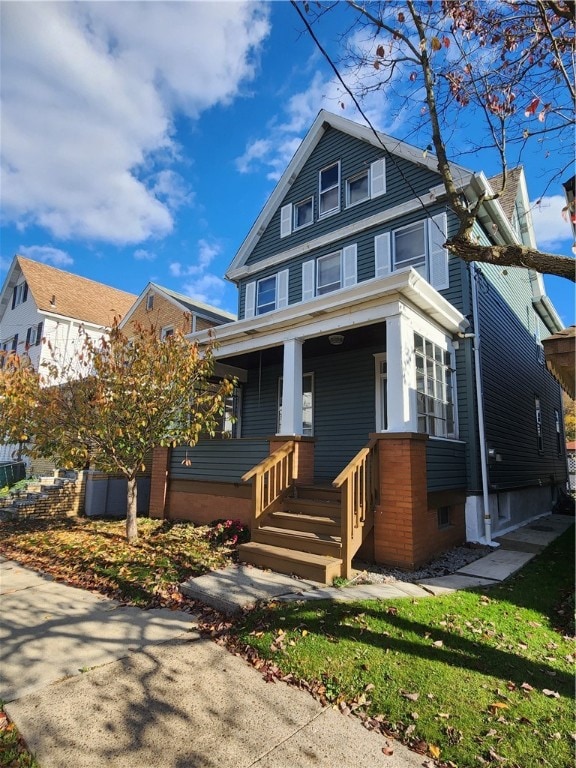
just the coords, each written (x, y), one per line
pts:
(239, 587)
(92, 683)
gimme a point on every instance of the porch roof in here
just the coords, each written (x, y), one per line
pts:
(363, 304)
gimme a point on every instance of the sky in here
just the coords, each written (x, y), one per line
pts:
(140, 140)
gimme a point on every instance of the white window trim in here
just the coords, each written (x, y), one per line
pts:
(336, 209)
(167, 330)
(295, 227)
(316, 271)
(440, 341)
(395, 232)
(256, 305)
(380, 391)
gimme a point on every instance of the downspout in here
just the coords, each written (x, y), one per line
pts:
(480, 409)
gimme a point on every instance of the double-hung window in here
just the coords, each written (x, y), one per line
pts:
(358, 188)
(410, 248)
(329, 191)
(304, 213)
(434, 389)
(266, 295)
(328, 273)
(19, 294)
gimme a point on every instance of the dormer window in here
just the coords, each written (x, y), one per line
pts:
(329, 200)
(304, 213)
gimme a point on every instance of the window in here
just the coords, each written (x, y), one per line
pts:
(434, 389)
(410, 248)
(443, 515)
(358, 188)
(167, 331)
(329, 190)
(266, 295)
(328, 273)
(558, 427)
(307, 404)
(34, 335)
(19, 294)
(150, 301)
(538, 417)
(304, 213)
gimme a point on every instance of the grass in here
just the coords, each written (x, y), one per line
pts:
(95, 555)
(13, 752)
(475, 678)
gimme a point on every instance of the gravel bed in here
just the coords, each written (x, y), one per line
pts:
(449, 562)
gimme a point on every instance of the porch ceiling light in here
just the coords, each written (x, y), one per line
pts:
(336, 339)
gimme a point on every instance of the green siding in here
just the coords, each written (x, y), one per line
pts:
(217, 460)
(445, 465)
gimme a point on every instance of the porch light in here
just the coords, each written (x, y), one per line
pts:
(336, 339)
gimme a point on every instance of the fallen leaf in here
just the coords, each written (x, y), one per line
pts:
(551, 694)
(434, 751)
(410, 696)
(438, 643)
(498, 705)
(388, 751)
(526, 687)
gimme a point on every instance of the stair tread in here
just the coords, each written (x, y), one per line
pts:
(301, 534)
(321, 519)
(288, 554)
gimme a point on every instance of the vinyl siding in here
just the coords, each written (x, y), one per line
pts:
(217, 460)
(512, 377)
(404, 180)
(445, 465)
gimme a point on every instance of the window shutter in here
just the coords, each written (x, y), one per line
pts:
(382, 254)
(282, 289)
(14, 296)
(28, 334)
(39, 334)
(349, 269)
(15, 343)
(378, 178)
(25, 294)
(249, 299)
(286, 220)
(308, 280)
(437, 234)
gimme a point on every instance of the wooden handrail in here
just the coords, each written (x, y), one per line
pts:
(272, 478)
(360, 486)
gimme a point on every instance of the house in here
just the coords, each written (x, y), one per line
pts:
(392, 400)
(167, 311)
(43, 311)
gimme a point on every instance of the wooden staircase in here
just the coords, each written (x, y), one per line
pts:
(302, 536)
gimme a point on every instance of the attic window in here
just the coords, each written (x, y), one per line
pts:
(329, 189)
(20, 294)
(303, 213)
(150, 301)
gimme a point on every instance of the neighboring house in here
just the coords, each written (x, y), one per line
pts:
(168, 311)
(44, 310)
(371, 361)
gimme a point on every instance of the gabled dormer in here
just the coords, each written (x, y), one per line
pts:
(352, 206)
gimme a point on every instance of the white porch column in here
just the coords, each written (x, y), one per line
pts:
(291, 421)
(401, 374)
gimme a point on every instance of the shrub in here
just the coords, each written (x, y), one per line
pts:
(228, 532)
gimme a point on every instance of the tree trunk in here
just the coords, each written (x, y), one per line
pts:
(131, 525)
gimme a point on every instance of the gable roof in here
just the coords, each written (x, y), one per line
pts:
(323, 121)
(187, 303)
(63, 293)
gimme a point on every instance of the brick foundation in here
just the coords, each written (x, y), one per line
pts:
(406, 529)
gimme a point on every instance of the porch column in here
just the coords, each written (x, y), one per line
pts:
(401, 375)
(291, 421)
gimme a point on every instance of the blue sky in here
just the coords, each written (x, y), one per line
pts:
(141, 139)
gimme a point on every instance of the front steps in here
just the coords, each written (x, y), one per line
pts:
(301, 538)
(47, 497)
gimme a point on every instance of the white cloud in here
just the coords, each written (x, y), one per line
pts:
(89, 93)
(205, 286)
(551, 230)
(143, 255)
(47, 254)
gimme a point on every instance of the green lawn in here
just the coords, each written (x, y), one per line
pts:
(476, 678)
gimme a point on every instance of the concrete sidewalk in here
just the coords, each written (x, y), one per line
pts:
(162, 696)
